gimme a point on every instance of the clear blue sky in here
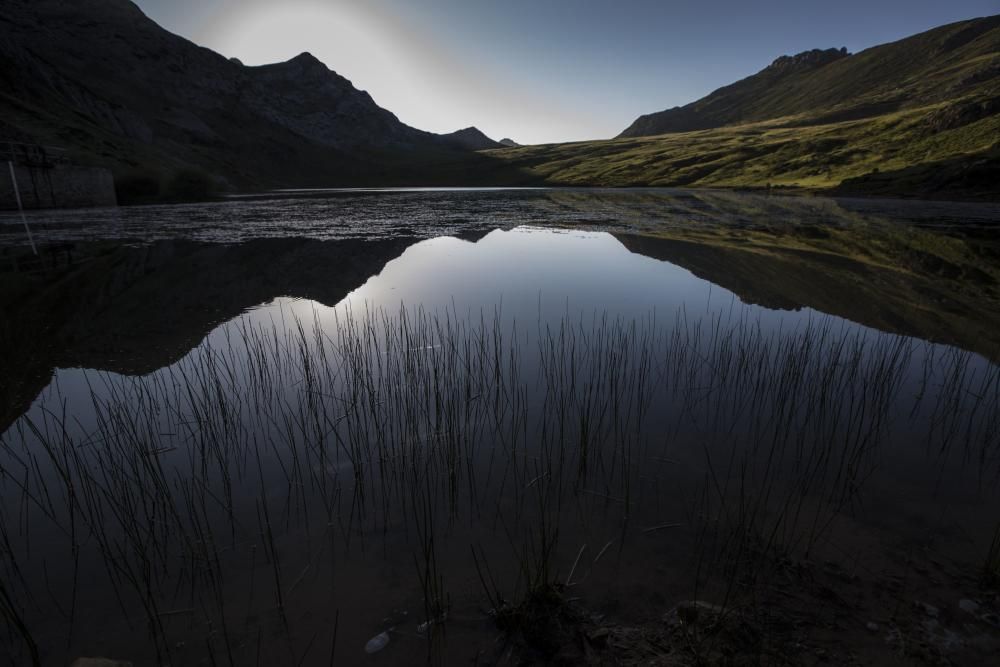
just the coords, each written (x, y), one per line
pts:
(544, 70)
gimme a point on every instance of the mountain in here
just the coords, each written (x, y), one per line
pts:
(100, 78)
(304, 96)
(509, 143)
(916, 118)
(471, 138)
(172, 120)
(945, 63)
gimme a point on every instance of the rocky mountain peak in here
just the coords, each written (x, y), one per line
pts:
(307, 59)
(470, 131)
(471, 138)
(306, 63)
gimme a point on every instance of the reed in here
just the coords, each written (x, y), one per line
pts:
(282, 446)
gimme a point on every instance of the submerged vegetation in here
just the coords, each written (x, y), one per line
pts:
(242, 504)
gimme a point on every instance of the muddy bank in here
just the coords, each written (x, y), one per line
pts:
(798, 612)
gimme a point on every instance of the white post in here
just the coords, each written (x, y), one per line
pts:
(20, 208)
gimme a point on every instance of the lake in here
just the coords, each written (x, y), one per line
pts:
(502, 427)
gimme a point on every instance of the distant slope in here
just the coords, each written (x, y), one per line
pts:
(916, 118)
(941, 64)
(99, 77)
(946, 151)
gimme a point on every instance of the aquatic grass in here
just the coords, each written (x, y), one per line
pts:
(281, 446)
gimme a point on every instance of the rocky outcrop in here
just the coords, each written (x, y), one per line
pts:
(807, 60)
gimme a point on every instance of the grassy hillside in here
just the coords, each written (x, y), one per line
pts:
(943, 149)
(918, 117)
(942, 64)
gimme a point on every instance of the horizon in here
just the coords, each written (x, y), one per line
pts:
(555, 76)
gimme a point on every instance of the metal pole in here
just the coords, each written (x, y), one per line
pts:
(20, 208)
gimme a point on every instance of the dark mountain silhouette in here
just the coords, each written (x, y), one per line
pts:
(945, 63)
(472, 139)
(100, 78)
(509, 143)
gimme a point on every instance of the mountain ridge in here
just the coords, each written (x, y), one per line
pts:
(102, 79)
(928, 67)
(690, 117)
(919, 117)
(176, 121)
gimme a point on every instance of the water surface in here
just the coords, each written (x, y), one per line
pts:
(290, 445)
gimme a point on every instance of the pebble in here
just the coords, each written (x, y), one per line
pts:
(600, 635)
(968, 606)
(928, 609)
(377, 643)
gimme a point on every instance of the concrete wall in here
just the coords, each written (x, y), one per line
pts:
(61, 186)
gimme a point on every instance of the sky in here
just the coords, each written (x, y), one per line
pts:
(540, 71)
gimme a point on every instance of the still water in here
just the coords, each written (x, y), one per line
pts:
(448, 424)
